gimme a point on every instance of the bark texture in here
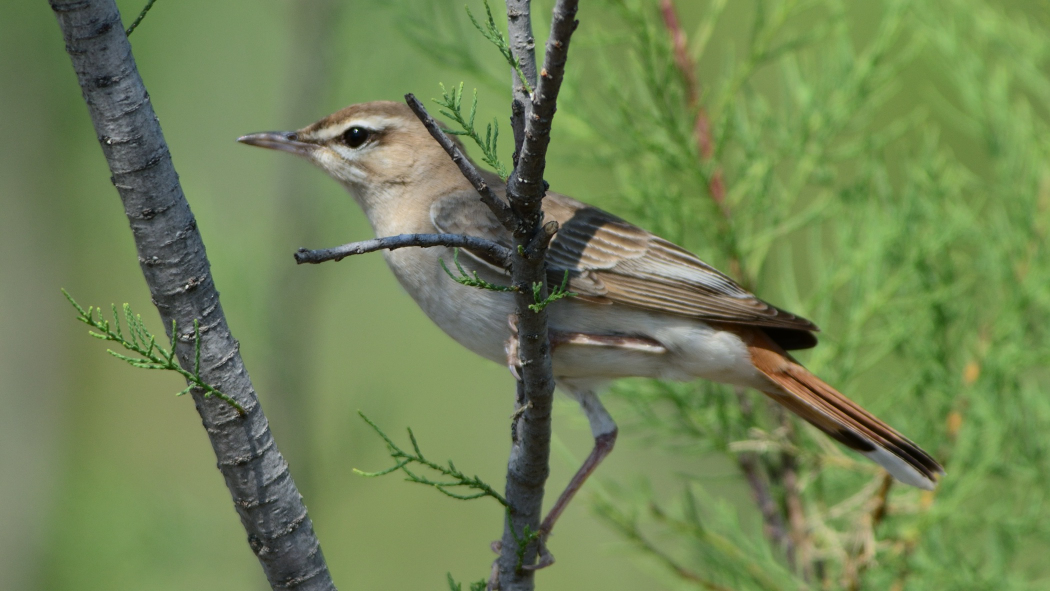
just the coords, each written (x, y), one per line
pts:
(173, 261)
(529, 463)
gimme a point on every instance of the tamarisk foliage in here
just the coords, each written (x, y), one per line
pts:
(886, 179)
(142, 342)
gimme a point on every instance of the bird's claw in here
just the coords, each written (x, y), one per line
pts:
(545, 558)
(511, 348)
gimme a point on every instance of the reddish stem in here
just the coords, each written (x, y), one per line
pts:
(701, 125)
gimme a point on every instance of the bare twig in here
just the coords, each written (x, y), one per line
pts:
(487, 249)
(173, 261)
(498, 206)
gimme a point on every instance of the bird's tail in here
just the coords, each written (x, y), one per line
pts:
(809, 397)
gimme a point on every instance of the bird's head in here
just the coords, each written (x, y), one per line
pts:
(379, 151)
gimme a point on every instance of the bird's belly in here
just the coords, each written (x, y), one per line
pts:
(474, 318)
(691, 348)
(479, 320)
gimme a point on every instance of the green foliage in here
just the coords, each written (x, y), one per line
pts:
(495, 35)
(470, 279)
(911, 226)
(527, 537)
(404, 459)
(451, 104)
(475, 586)
(143, 343)
(558, 293)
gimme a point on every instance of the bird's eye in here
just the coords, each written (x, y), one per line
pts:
(355, 137)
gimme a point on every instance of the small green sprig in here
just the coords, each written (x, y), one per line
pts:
(491, 32)
(475, 586)
(558, 293)
(528, 536)
(471, 279)
(451, 104)
(403, 459)
(142, 342)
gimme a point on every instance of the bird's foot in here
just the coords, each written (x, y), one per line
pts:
(511, 348)
(545, 559)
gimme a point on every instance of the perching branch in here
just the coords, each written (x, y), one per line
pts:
(526, 187)
(491, 251)
(523, 48)
(173, 261)
(498, 206)
(528, 466)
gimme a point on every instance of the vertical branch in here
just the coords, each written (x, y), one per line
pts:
(176, 269)
(523, 48)
(528, 466)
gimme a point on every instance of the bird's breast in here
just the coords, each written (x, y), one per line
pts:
(476, 318)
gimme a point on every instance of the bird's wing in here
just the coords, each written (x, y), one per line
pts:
(612, 261)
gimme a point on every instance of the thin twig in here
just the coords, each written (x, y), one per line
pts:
(773, 523)
(526, 186)
(523, 48)
(490, 251)
(138, 20)
(792, 535)
(498, 206)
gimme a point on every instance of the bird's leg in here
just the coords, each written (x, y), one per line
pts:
(604, 430)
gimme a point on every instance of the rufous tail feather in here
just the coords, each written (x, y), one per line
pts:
(811, 398)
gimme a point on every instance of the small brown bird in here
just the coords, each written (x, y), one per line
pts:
(646, 307)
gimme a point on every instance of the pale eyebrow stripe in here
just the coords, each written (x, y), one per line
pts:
(374, 123)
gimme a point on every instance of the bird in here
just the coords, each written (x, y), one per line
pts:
(644, 307)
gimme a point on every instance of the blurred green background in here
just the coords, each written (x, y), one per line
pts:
(106, 479)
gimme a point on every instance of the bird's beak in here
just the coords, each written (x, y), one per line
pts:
(286, 141)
